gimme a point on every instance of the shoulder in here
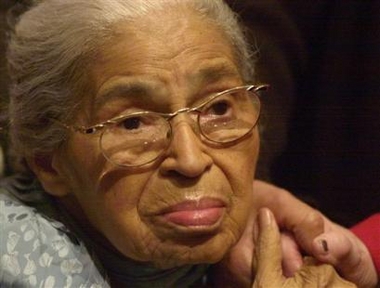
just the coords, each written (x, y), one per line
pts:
(36, 250)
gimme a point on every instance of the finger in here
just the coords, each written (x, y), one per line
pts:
(235, 270)
(291, 214)
(305, 224)
(351, 258)
(268, 252)
(292, 257)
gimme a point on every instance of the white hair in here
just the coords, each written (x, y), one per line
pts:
(50, 49)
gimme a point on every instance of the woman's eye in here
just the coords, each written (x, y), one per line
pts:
(219, 108)
(131, 123)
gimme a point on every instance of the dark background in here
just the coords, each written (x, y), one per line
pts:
(321, 137)
(322, 59)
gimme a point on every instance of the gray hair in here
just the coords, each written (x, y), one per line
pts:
(51, 47)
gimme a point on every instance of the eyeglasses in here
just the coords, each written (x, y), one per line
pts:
(140, 138)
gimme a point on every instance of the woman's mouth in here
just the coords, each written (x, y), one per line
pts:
(204, 212)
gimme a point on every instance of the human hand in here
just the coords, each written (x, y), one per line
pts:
(267, 266)
(314, 233)
(317, 236)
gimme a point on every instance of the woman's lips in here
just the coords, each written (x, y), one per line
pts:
(205, 212)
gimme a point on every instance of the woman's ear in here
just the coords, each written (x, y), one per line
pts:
(51, 178)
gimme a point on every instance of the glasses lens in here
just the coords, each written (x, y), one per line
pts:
(230, 115)
(136, 139)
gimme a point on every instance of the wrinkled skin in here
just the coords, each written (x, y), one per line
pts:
(126, 207)
(302, 228)
(267, 262)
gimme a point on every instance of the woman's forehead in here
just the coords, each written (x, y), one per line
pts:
(165, 38)
(196, 55)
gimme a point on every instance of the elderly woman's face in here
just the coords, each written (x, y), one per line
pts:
(191, 205)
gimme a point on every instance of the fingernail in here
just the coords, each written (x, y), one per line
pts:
(324, 245)
(265, 217)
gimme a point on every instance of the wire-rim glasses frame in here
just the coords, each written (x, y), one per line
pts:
(165, 118)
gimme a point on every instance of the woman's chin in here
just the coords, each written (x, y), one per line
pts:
(208, 251)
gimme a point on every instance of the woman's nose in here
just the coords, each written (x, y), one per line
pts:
(186, 155)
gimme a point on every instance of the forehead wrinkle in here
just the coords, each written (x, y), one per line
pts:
(126, 88)
(215, 73)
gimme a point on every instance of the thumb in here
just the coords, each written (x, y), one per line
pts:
(267, 257)
(347, 256)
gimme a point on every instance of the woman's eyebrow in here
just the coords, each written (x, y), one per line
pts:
(215, 73)
(126, 88)
(132, 87)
